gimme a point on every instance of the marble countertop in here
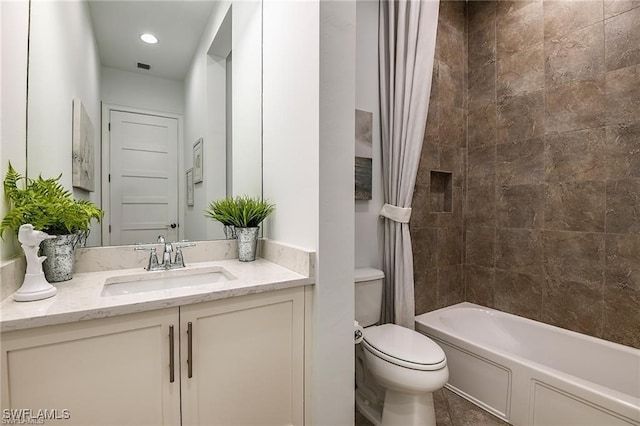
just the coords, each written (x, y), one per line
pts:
(81, 298)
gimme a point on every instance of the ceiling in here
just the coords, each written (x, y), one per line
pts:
(178, 25)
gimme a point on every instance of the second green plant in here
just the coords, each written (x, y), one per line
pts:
(241, 212)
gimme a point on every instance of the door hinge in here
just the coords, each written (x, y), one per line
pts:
(109, 126)
(109, 228)
(109, 177)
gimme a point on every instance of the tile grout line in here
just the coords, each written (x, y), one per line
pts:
(606, 165)
(544, 180)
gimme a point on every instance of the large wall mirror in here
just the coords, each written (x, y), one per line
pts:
(164, 128)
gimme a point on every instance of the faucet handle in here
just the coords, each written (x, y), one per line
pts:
(183, 243)
(179, 257)
(179, 261)
(153, 256)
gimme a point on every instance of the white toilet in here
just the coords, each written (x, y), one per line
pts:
(407, 366)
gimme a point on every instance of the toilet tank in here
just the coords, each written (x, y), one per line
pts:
(368, 295)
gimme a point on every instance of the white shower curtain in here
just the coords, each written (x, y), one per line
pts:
(407, 50)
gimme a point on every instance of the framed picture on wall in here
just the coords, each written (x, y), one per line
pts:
(83, 168)
(198, 166)
(190, 187)
(364, 154)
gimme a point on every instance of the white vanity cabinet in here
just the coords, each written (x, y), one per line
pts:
(247, 360)
(236, 361)
(110, 371)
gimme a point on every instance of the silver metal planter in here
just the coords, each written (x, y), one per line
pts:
(60, 254)
(247, 243)
(230, 232)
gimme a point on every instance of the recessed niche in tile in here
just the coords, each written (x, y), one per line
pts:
(440, 193)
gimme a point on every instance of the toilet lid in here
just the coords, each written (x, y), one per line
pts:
(404, 347)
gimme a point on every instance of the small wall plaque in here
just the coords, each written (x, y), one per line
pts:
(83, 162)
(190, 201)
(364, 154)
(198, 162)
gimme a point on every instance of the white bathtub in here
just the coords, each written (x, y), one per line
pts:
(530, 373)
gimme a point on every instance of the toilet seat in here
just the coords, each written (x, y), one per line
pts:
(404, 347)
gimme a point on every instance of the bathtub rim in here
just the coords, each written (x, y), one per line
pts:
(430, 325)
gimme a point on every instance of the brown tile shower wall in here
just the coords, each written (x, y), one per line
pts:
(552, 220)
(437, 223)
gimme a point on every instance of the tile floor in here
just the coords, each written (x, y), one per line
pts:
(452, 410)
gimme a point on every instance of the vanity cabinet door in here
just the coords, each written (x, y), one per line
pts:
(247, 360)
(110, 371)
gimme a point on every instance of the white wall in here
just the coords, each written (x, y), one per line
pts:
(63, 64)
(14, 18)
(205, 113)
(216, 119)
(334, 400)
(291, 70)
(369, 227)
(141, 91)
(246, 45)
(201, 122)
(308, 144)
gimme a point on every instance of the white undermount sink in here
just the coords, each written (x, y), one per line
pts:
(164, 280)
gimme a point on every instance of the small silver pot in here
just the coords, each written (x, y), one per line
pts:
(230, 232)
(60, 254)
(247, 243)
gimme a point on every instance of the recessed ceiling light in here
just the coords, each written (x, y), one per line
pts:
(149, 38)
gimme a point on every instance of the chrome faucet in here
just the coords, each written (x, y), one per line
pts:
(167, 263)
(166, 255)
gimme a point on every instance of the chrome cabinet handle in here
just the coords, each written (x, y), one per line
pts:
(171, 356)
(190, 349)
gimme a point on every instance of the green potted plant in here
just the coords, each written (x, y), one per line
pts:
(224, 211)
(49, 207)
(245, 214)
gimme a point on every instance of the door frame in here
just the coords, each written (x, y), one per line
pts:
(106, 166)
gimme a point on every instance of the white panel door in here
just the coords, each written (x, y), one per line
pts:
(143, 173)
(245, 365)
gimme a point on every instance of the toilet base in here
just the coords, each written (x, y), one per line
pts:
(408, 409)
(371, 412)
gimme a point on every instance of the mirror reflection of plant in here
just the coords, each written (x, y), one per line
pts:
(241, 212)
(47, 205)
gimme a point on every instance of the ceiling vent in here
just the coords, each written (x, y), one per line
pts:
(144, 66)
